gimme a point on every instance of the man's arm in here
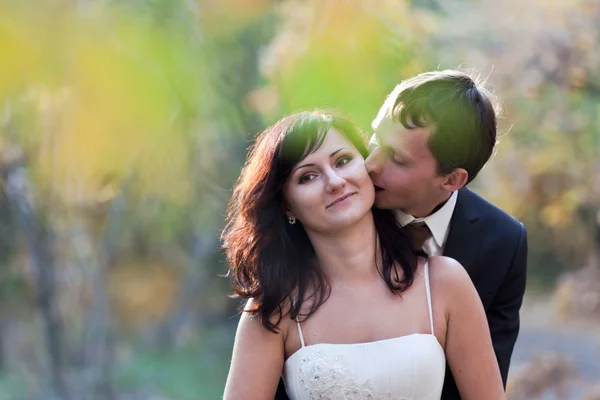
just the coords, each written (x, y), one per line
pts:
(503, 314)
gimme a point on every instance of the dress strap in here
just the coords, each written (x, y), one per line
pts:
(428, 289)
(300, 332)
(298, 323)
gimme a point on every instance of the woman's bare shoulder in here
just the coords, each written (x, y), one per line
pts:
(281, 321)
(448, 275)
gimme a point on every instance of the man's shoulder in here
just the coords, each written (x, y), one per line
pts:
(488, 212)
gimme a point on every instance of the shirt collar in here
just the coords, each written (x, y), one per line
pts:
(438, 222)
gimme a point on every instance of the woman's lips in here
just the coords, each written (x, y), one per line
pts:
(341, 199)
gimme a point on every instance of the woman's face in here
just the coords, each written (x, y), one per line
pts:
(330, 188)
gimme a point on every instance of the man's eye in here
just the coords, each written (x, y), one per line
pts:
(397, 161)
(392, 155)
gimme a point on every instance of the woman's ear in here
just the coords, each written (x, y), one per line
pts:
(288, 211)
(291, 218)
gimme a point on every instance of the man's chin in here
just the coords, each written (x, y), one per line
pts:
(384, 202)
(381, 203)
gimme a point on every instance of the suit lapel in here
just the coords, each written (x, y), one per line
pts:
(463, 239)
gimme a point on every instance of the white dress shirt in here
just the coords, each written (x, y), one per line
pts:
(438, 223)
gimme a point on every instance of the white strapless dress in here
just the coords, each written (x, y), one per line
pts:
(408, 367)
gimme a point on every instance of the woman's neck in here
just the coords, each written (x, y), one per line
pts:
(348, 254)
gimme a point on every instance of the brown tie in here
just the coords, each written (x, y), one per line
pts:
(419, 232)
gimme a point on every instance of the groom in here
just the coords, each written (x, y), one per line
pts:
(433, 135)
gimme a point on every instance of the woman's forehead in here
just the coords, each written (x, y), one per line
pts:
(332, 140)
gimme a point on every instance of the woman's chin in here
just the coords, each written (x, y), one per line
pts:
(351, 220)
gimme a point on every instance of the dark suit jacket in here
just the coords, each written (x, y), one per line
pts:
(492, 246)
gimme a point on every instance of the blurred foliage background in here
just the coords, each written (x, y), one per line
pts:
(123, 125)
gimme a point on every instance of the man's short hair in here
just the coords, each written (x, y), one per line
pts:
(459, 110)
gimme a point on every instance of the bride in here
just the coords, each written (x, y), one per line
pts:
(339, 304)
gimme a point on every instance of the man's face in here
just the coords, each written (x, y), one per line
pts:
(404, 170)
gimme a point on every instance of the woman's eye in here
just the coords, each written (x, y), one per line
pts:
(343, 161)
(306, 178)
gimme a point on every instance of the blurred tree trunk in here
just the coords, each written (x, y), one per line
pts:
(195, 279)
(591, 214)
(596, 248)
(99, 349)
(39, 243)
(8, 285)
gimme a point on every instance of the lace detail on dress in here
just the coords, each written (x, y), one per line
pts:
(327, 377)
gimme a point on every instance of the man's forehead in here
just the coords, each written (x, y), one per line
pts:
(403, 140)
(392, 133)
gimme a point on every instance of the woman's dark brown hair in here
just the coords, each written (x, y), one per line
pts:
(274, 262)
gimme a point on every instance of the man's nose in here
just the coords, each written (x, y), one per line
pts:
(373, 162)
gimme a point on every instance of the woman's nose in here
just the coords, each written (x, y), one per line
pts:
(334, 181)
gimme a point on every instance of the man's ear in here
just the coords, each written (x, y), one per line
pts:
(456, 179)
